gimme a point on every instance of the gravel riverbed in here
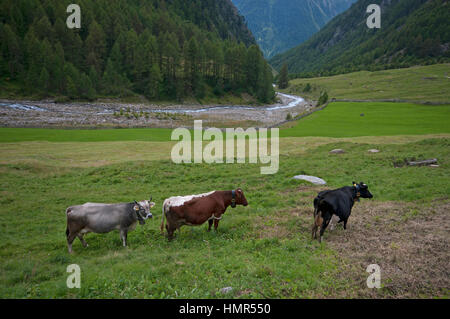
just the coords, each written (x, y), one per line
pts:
(114, 114)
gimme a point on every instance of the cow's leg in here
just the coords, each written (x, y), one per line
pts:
(80, 237)
(123, 236)
(171, 227)
(345, 223)
(170, 232)
(326, 221)
(318, 220)
(210, 222)
(216, 224)
(314, 231)
(334, 221)
(70, 238)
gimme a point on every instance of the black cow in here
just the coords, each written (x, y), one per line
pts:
(337, 202)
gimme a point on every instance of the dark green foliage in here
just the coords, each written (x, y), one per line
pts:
(412, 32)
(307, 88)
(283, 81)
(323, 98)
(162, 49)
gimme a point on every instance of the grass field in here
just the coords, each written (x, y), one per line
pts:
(344, 119)
(262, 250)
(422, 83)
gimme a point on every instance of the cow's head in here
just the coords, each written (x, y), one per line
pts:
(142, 209)
(362, 190)
(240, 197)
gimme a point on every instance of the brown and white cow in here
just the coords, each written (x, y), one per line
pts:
(194, 210)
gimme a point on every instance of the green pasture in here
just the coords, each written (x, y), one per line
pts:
(347, 119)
(262, 250)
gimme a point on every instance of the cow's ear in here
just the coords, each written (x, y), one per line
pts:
(151, 204)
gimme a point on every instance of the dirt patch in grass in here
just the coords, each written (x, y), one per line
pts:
(410, 242)
(274, 227)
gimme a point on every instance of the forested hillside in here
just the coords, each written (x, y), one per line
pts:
(412, 32)
(162, 49)
(279, 25)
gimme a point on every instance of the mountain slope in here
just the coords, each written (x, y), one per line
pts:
(163, 49)
(412, 32)
(279, 25)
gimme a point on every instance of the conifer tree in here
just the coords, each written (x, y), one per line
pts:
(283, 81)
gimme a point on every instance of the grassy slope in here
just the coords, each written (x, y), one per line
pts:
(421, 83)
(262, 250)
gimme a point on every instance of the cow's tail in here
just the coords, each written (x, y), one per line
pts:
(68, 210)
(163, 215)
(316, 206)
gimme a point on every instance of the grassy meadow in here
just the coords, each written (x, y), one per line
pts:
(416, 84)
(346, 119)
(262, 251)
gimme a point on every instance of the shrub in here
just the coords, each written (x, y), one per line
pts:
(307, 88)
(323, 98)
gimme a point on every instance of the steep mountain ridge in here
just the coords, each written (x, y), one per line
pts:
(412, 32)
(279, 25)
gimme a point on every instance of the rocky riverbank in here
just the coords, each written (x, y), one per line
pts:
(112, 114)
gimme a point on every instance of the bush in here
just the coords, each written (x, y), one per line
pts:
(307, 88)
(323, 98)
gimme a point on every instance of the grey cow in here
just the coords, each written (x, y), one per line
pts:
(103, 218)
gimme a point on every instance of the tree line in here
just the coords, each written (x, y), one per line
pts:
(160, 49)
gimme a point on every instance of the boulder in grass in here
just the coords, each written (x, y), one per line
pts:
(337, 151)
(311, 179)
(374, 151)
(226, 290)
